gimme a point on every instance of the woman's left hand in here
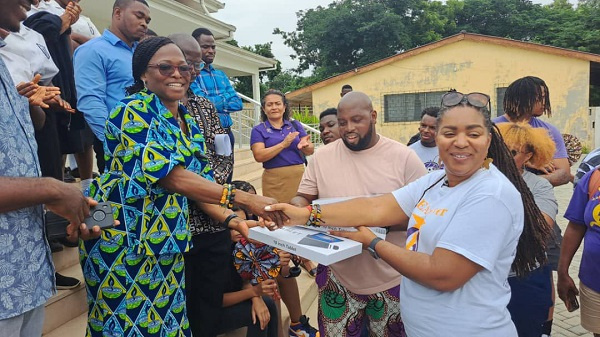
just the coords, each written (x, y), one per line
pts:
(362, 235)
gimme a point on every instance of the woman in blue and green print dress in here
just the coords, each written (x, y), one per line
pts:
(134, 273)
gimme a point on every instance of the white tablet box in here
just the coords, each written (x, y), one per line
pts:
(311, 244)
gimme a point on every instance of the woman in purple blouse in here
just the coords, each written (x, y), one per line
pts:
(281, 145)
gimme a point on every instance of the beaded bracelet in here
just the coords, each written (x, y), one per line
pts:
(314, 220)
(223, 201)
(228, 196)
(231, 198)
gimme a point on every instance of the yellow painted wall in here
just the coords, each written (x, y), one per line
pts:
(470, 66)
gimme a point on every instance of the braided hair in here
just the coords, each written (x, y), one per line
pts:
(522, 95)
(286, 113)
(531, 248)
(144, 51)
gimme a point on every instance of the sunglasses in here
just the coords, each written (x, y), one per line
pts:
(196, 65)
(168, 70)
(475, 99)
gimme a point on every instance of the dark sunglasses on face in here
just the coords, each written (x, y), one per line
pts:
(168, 70)
(475, 99)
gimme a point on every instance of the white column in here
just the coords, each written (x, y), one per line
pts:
(256, 95)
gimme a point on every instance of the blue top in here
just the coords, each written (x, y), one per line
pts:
(102, 72)
(271, 136)
(584, 211)
(26, 272)
(561, 149)
(214, 85)
(143, 144)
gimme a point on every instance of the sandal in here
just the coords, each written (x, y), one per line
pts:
(309, 266)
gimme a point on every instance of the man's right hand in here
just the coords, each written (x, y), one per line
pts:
(68, 202)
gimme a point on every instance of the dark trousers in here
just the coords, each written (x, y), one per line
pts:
(240, 315)
(49, 154)
(232, 140)
(99, 150)
(206, 273)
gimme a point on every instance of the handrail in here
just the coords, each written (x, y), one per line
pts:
(257, 103)
(251, 100)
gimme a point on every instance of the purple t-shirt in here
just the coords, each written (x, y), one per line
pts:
(561, 149)
(270, 136)
(581, 211)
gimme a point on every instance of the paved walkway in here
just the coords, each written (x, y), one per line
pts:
(567, 323)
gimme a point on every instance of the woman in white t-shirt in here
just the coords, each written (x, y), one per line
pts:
(463, 225)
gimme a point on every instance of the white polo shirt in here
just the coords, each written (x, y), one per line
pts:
(26, 54)
(84, 26)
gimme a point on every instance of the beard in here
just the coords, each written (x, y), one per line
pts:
(363, 142)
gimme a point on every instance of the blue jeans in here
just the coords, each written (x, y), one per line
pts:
(26, 324)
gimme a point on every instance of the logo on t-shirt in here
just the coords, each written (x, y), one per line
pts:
(433, 165)
(412, 234)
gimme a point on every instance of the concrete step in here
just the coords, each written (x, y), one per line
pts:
(254, 178)
(246, 166)
(241, 154)
(66, 258)
(74, 327)
(66, 304)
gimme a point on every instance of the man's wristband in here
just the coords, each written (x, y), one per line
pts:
(228, 219)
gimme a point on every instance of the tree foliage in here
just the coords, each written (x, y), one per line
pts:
(351, 33)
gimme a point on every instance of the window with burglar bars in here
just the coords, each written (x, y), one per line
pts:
(500, 100)
(408, 107)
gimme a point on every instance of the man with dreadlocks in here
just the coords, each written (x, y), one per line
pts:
(524, 101)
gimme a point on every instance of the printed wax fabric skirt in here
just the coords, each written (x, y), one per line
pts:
(282, 183)
(131, 294)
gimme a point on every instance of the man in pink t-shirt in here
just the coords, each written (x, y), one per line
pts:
(360, 163)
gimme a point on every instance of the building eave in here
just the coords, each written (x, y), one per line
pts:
(301, 94)
(263, 63)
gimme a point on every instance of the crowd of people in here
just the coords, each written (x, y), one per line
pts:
(468, 205)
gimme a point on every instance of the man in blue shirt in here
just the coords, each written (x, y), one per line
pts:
(214, 84)
(27, 273)
(103, 67)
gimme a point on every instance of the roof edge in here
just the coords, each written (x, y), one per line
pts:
(443, 42)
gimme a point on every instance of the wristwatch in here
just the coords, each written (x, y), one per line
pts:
(371, 247)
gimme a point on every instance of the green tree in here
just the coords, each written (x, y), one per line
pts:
(345, 35)
(243, 84)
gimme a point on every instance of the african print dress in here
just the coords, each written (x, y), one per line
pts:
(134, 273)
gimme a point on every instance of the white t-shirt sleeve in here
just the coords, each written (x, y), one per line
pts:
(479, 230)
(408, 196)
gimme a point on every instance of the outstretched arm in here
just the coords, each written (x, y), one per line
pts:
(379, 211)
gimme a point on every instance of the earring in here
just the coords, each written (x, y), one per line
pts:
(486, 163)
